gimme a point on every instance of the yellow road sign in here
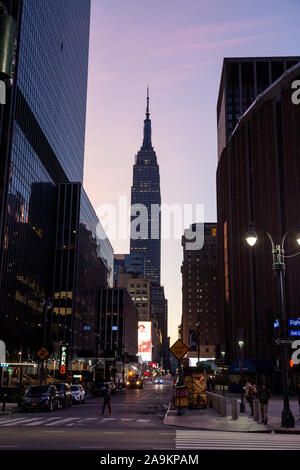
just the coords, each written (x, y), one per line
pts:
(42, 353)
(179, 349)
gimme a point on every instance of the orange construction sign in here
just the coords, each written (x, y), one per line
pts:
(179, 349)
(42, 353)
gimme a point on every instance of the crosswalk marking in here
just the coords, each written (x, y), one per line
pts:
(74, 419)
(60, 421)
(235, 440)
(16, 421)
(70, 421)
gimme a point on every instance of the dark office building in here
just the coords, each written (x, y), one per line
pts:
(199, 295)
(145, 192)
(242, 80)
(258, 182)
(83, 263)
(42, 130)
(117, 324)
(133, 264)
(159, 306)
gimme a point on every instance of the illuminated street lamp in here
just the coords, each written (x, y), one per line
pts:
(287, 418)
(252, 237)
(242, 405)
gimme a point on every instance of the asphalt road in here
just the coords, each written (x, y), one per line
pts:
(136, 423)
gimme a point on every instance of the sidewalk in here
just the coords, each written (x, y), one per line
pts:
(208, 419)
(9, 409)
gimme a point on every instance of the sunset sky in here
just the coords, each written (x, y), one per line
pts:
(177, 47)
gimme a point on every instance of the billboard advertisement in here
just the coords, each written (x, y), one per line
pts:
(145, 340)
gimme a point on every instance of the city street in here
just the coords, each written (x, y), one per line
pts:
(136, 423)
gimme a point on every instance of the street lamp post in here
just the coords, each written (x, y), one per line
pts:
(223, 355)
(242, 405)
(198, 339)
(287, 418)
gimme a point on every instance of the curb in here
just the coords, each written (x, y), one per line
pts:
(263, 431)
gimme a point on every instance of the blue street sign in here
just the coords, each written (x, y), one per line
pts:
(292, 322)
(294, 332)
(295, 322)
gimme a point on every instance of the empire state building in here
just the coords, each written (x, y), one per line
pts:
(145, 205)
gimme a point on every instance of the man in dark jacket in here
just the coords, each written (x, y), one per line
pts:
(106, 396)
(264, 396)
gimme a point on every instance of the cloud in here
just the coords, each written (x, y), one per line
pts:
(208, 45)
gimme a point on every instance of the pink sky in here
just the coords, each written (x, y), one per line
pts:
(177, 47)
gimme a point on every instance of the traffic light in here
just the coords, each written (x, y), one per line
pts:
(291, 363)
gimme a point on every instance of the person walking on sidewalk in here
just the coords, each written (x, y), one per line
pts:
(253, 394)
(264, 396)
(106, 396)
(247, 390)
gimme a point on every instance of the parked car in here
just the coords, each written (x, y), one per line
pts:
(40, 397)
(99, 387)
(65, 394)
(78, 393)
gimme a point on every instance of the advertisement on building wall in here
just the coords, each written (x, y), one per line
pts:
(145, 340)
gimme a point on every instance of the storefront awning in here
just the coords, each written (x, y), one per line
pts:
(251, 366)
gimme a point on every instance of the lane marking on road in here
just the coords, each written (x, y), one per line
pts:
(107, 419)
(9, 420)
(54, 430)
(5, 447)
(113, 432)
(225, 440)
(60, 421)
(126, 419)
(75, 421)
(34, 422)
(143, 420)
(91, 447)
(41, 421)
(14, 422)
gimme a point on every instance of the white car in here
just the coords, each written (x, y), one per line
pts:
(78, 393)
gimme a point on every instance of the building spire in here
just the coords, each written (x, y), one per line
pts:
(147, 108)
(147, 145)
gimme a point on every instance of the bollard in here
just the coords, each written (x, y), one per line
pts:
(223, 407)
(256, 410)
(234, 410)
(217, 402)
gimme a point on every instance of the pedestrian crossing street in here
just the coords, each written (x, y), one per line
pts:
(68, 422)
(217, 440)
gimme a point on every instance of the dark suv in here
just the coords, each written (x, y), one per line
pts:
(65, 394)
(40, 396)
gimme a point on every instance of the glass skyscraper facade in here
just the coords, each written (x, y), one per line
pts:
(145, 204)
(42, 132)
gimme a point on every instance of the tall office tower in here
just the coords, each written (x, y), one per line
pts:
(145, 202)
(199, 296)
(42, 132)
(242, 80)
(258, 182)
(160, 312)
(129, 264)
